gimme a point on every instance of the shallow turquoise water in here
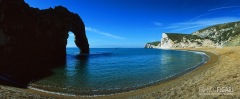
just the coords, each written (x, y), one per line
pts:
(108, 71)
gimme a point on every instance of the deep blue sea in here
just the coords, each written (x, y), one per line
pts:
(113, 70)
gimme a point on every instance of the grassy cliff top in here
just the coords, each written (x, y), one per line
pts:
(155, 43)
(220, 26)
(176, 36)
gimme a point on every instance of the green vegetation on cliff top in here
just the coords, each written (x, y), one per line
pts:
(155, 43)
(176, 37)
(232, 36)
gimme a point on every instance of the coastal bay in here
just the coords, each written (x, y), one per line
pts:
(221, 71)
(193, 55)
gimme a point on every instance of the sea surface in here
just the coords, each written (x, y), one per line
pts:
(114, 70)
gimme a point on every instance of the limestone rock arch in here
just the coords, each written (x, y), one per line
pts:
(38, 35)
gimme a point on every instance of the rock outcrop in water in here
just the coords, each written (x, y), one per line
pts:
(30, 34)
(152, 44)
(221, 35)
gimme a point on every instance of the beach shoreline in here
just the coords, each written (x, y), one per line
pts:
(221, 71)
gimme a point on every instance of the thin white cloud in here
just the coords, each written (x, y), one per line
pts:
(217, 20)
(188, 27)
(226, 7)
(198, 17)
(180, 26)
(157, 23)
(198, 22)
(103, 33)
(210, 11)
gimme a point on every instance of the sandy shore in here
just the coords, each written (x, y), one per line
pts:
(218, 78)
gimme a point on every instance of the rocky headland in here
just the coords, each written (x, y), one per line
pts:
(152, 44)
(220, 35)
(32, 40)
(32, 34)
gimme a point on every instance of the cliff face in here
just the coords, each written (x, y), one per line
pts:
(30, 34)
(172, 40)
(215, 36)
(222, 34)
(169, 39)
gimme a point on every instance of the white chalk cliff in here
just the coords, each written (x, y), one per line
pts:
(166, 42)
(221, 35)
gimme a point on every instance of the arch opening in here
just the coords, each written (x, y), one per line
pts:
(70, 40)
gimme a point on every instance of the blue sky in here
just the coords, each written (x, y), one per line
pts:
(132, 23)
